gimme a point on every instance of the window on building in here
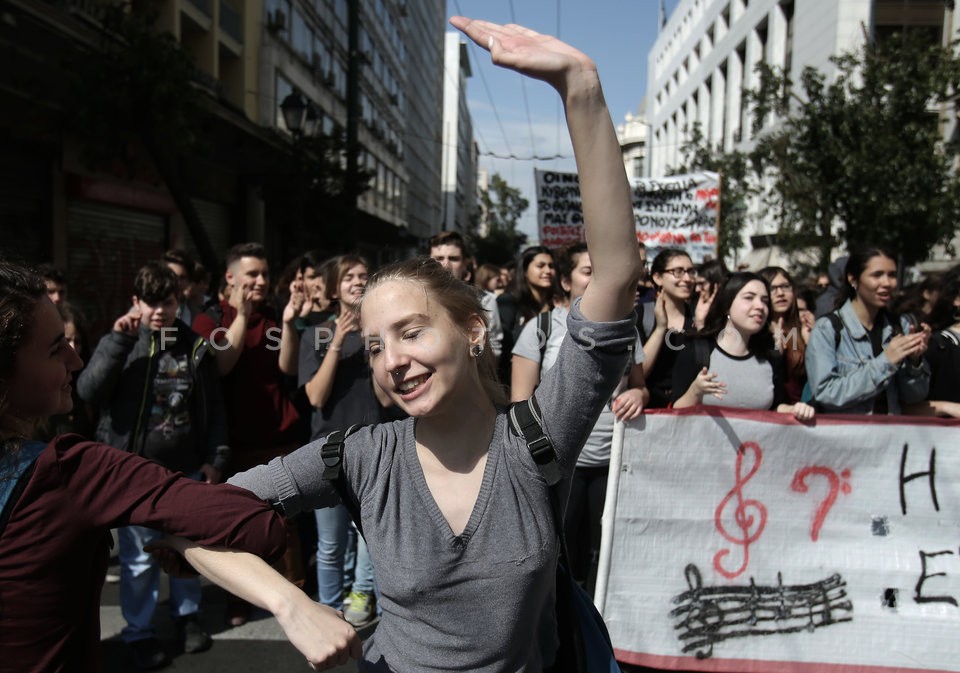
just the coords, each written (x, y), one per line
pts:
(302, 37)
(924, 17)
(787, 8)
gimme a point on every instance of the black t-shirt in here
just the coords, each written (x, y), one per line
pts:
(660, 379)
(351, 399)
(880, 403)
(943, 354)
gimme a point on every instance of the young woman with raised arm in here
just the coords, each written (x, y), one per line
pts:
(455, 512)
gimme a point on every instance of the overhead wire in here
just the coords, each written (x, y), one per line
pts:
(486, 87)
(523, 88)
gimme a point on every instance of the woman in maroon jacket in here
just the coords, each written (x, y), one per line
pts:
(55, 522)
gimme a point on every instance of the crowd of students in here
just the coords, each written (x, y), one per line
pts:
(455, 545)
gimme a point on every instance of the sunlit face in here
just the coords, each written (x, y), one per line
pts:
(417, 354)
(877, 283)
(351, 286)
(253, 274)
(579, 279)
(43, 368)
(680, 288)
(781, 294)
(158, 315)
(541, 272)
(750, 308)
(450, 258)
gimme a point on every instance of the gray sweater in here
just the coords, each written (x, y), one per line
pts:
(482, 600)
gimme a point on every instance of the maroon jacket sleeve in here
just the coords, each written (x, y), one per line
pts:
(203, 325)
(106, 487)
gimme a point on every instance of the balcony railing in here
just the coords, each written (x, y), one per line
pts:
(230, 21)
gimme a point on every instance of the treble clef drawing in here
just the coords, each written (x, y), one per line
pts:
(750, 515)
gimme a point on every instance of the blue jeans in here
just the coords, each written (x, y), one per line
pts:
(333, 528)
(140, 585)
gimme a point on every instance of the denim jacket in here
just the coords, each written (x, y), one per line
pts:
(847, 378)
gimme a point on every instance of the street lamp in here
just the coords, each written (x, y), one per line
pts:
(294, 109)
(311, 120)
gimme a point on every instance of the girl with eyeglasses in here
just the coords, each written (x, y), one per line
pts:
(789, 335)
(663, 323)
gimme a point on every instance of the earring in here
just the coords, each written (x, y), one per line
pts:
(476, 350)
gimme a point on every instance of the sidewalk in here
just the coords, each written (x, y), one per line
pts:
(257, 646)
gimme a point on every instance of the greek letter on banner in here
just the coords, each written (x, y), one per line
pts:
(750, 542)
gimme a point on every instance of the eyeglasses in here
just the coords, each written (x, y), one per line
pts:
(783, 287)
(679, 272)
(823, 286)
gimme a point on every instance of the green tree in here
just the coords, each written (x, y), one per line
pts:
(738, 184)
(504, 205)
(861, 159)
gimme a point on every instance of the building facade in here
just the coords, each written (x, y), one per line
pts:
(704, 61)
(459, 177)
(102, 210)
(632, 135)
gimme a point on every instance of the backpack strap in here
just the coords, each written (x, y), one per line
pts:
(526, 424)
(702, 349)
(331, 453)
(544, 325)
(15, 471)
(646, 319)
(950, 336)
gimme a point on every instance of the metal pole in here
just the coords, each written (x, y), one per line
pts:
(609, 516)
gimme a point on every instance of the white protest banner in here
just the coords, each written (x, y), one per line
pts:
(678, 211)
(749, 542)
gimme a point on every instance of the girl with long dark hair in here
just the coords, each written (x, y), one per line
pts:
(789, 335)
(861, 359)
(732, 361)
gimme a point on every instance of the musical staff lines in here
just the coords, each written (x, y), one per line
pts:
(710, 615)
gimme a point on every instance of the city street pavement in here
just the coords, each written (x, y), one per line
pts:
(259, 646)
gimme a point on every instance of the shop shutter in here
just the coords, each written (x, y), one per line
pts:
(105, 248)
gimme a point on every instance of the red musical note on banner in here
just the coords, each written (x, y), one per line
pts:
(744, 519)
(836, 486)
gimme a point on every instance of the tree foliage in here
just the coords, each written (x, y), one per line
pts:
(504, 205)
(860, 158)
(737, 184)
(137, 84)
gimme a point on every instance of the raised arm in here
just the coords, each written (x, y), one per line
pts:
(604, 191)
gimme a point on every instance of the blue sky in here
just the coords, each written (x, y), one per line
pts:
(524, 118)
